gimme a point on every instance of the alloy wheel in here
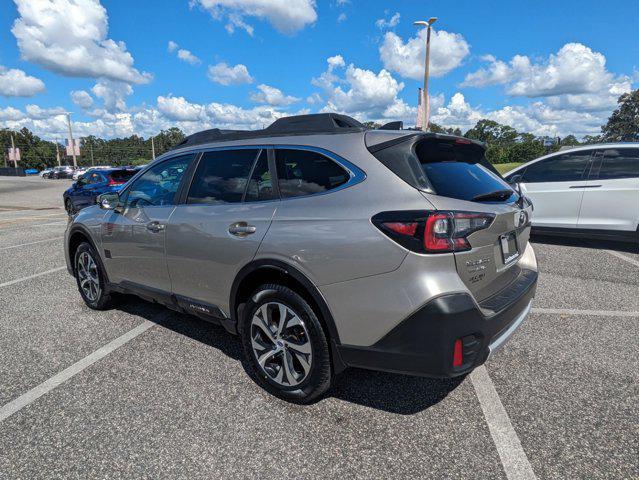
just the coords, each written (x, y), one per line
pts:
(88, 276)
(281, 344)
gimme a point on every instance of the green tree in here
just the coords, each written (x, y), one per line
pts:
(491, 132)
(569, 140)
(623, 124)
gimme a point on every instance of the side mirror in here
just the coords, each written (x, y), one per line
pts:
(108, 201)
(515, 179)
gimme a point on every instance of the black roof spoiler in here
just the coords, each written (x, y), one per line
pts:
(313, 124)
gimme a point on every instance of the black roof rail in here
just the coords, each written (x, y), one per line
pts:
(318, 123)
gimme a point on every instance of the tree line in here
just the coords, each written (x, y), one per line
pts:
(504, 143)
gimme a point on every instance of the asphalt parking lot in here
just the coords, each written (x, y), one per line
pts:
(143, 392)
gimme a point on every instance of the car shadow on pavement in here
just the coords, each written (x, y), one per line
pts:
(390, 392)
(586, 243)
(394, 393)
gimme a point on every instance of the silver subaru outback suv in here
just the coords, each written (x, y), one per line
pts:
(323, 245)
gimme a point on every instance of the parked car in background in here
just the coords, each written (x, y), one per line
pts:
(61, 172)
(46, 173)
(79, 171)
(93, 183)
(591, 190)
(31, 171)
(323, 245)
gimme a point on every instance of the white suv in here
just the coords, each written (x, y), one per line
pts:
(591, 190)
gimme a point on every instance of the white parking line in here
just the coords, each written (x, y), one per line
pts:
(623, 257)
(31, 243)
(18, 280)
(596, 313)
(512, 455)
(32, 395)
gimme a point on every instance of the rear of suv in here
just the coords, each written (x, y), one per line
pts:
(323, 245)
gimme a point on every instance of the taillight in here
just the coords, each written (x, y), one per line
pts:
(458, 354)
(432, 232)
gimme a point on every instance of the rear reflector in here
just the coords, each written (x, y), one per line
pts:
(458, 357)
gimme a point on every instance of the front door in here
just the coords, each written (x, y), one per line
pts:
(133, 236)
(556, 186)
(219, 228)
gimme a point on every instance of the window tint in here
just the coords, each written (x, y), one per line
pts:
(260, 186)
(221, 176)
(620, 163)
(568, 167)
(301, 172)
(95, 177)
(158, 185)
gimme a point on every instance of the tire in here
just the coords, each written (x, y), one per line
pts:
(93, 288)
(305, 376)
(68, 206)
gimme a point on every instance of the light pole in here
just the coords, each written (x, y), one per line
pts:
(426, 102)
(71, 141)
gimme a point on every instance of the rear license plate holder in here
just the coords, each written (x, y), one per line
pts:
(509, 247)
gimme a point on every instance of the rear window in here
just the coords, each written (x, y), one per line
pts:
(122, 176)
(447, 167)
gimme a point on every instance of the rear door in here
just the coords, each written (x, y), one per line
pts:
(556, 187)
(219, 226)
(611, 197)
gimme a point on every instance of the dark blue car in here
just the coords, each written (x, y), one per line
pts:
(93, 183)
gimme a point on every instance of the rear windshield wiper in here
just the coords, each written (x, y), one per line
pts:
(496, 195)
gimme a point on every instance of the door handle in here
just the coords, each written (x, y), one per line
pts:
(241, 229)
(585, 186)
(155, 227)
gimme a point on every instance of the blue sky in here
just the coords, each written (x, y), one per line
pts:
(546, 67)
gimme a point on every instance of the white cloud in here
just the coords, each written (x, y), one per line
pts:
(537, 118)
(574, 77)
(341, 17)
(287, 16)
(188, 57)
(178, 108)
(69, 37)
(82, 99)
(447, 51)
(272, 96)
(313, 99)
(226, 75)
(113, 94)
(16, 83)
(366, 94)
(11, 113)
(38, 113)
(392, 22)
(183, 54)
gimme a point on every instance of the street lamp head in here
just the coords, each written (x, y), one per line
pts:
(424, 23)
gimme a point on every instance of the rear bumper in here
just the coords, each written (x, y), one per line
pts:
(423, 344)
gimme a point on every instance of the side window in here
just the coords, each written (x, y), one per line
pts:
(619, 163)
(95, 178)
(302, 172)
(260, 186)
(568, 167)
(158, 185)
(221, 176)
